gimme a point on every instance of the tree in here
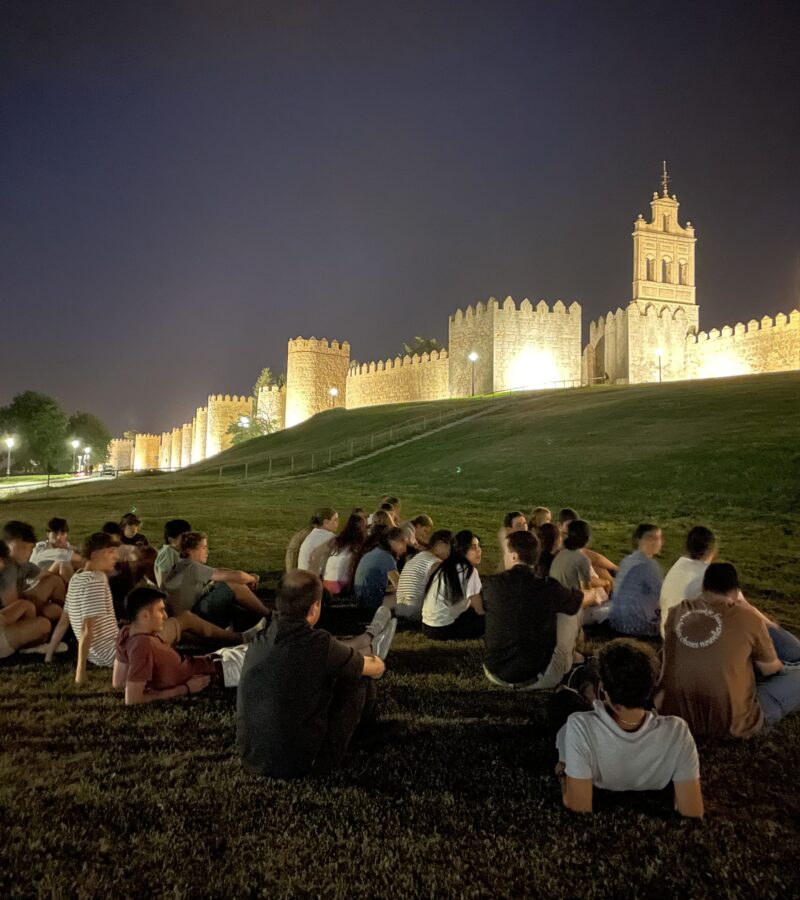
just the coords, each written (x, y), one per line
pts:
(91, 432)
(256, 427)
(420, 345)
(40, 427)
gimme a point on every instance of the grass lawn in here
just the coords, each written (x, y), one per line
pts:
(97, 799)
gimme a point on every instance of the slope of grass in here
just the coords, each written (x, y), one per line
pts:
(100, 800)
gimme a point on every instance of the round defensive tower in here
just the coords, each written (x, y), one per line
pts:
(316, 377)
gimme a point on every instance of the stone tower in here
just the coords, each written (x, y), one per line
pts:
(315, 368)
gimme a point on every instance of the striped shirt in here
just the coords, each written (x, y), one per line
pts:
(412, 584)
(89, 597)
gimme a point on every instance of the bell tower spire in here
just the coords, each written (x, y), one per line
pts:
(665, 179)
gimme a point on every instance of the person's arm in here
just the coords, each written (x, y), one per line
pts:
(577, 794)
(58, 633)
(391, 581)
(374, 667)
(476, 602)
(87, 633)
(234, 576)
(119, 675)
(771, 667)
(689, 799)
(136, 692)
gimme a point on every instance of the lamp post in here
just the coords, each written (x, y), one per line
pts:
(244, 421)
(75, 444)
(334, 392)
(473, 358)
(659, 354)
(9, 444)
(86, 452)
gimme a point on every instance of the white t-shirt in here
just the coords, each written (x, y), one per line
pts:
(436, 611)
(412, 583)
(684, 581)
(44, 555)
(339, 567)
(592, 745)
(312, 554)
(89, 597)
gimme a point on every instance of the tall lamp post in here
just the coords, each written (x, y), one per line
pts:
(75, 444)
(334, 392)
(473, 358)
(86, 452)
(9, 444)
(659, 354)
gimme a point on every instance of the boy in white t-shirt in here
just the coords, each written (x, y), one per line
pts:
(621, 745)
(684, 581)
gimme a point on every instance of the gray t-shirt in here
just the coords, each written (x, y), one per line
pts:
(571, 568)
(166, 560)
(18, 575)
(187, 583)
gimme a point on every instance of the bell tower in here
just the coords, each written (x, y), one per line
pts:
(663, 253)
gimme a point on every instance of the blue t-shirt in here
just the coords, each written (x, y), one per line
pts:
(637, 589)
(372, 576)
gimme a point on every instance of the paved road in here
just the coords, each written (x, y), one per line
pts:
(24, 486)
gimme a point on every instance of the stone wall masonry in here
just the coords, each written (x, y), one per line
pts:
(146, 452)
(199, 435)
(165, 451)
(121, 453)
(472, 331)
(186, 445)
(760, 346)
(400, 380)
(271, 405)
(665, 329)
(177, 448)
(222, 412)
(313, 367)
(608, 343)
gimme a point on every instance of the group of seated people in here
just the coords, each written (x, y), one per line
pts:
(724, 669)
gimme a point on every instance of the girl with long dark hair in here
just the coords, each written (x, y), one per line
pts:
(452, 608)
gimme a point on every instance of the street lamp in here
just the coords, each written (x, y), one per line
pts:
(473, 358)
(244, 421)
(75, 444)
(659, 354)
(334, 392)
(86, 452)
(9, 444)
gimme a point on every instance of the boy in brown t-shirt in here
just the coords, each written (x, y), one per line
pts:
(711, 645)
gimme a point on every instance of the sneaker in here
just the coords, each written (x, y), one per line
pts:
(380, 621)
(251, 633)
(382, 643)
(42, 648)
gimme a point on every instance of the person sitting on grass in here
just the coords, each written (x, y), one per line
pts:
(620, 745)
(216, 595)
(302, 692)
(423, 528)
(22, 580)
(344, 553)
(376, 577)
(170, 552)
(294, 545)
(712, 645)
(89, 608)
(416, 574)
(541, 515)
(56, 554)
(130, 524)
(684, 581)
(452, 609)
(572, 569)
(549, 545)
(634, 608)
(565, 516)
(532, 623)
(20, 627)
(315, 549)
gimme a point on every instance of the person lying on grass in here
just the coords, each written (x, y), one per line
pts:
(303, 693)
(620, 745)
(22, 580)
(217, 595)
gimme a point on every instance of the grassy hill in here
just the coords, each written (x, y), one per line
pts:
(463, 803)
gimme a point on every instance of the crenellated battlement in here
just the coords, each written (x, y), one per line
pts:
(509, 306)
(321, 345)
(740, 330)
(385, 365)
(227, 398)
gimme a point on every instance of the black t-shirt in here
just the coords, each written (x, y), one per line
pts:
(284, 693)
(137, 539)
(521, 611)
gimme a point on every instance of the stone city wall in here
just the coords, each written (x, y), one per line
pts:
(313, 368)
(121, 453)
(165, 451)
(271, 406)
(399, 380)
(199, 436)
(146, 452)
(175, 454)
(222, 412)
(664, 329)
(186, 445)
(472, 331)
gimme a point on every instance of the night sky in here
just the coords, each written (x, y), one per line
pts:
(186, 185)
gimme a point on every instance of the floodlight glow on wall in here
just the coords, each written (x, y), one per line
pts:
(532, 369)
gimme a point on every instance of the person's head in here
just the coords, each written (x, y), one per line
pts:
(628, 673)
(441, 543)
(522, 548)
(100, 550)
(130, 524)
(565, 516)
(647, 538)
(701, 543)
(21, 540)
(173, 529)
(359, 511)
(540, 516)
(390, 511)
(114, 529)
(393, 540)
(58, 532)
(194, 546)
(468, 545)
(383, 519)
(549, 536)
(326, 517)
(300, 596)
(515, 521)
(721, 578)
(423, 526)
(394, 503)
(452, 575)
(410, 534)
(578, 535)
(144, 608)
(353, 535)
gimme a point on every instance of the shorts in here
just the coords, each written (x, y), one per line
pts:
(6, 649)
(216, 605)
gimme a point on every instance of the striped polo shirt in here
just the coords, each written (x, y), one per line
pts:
(412, 584)
(89, 597)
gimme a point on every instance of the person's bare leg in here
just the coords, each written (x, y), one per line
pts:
(194, 624)
(246, 598)
(27, 632)
(49, 589)
(18, 610)
(51, 611)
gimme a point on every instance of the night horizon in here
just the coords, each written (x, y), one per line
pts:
(186, 189)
